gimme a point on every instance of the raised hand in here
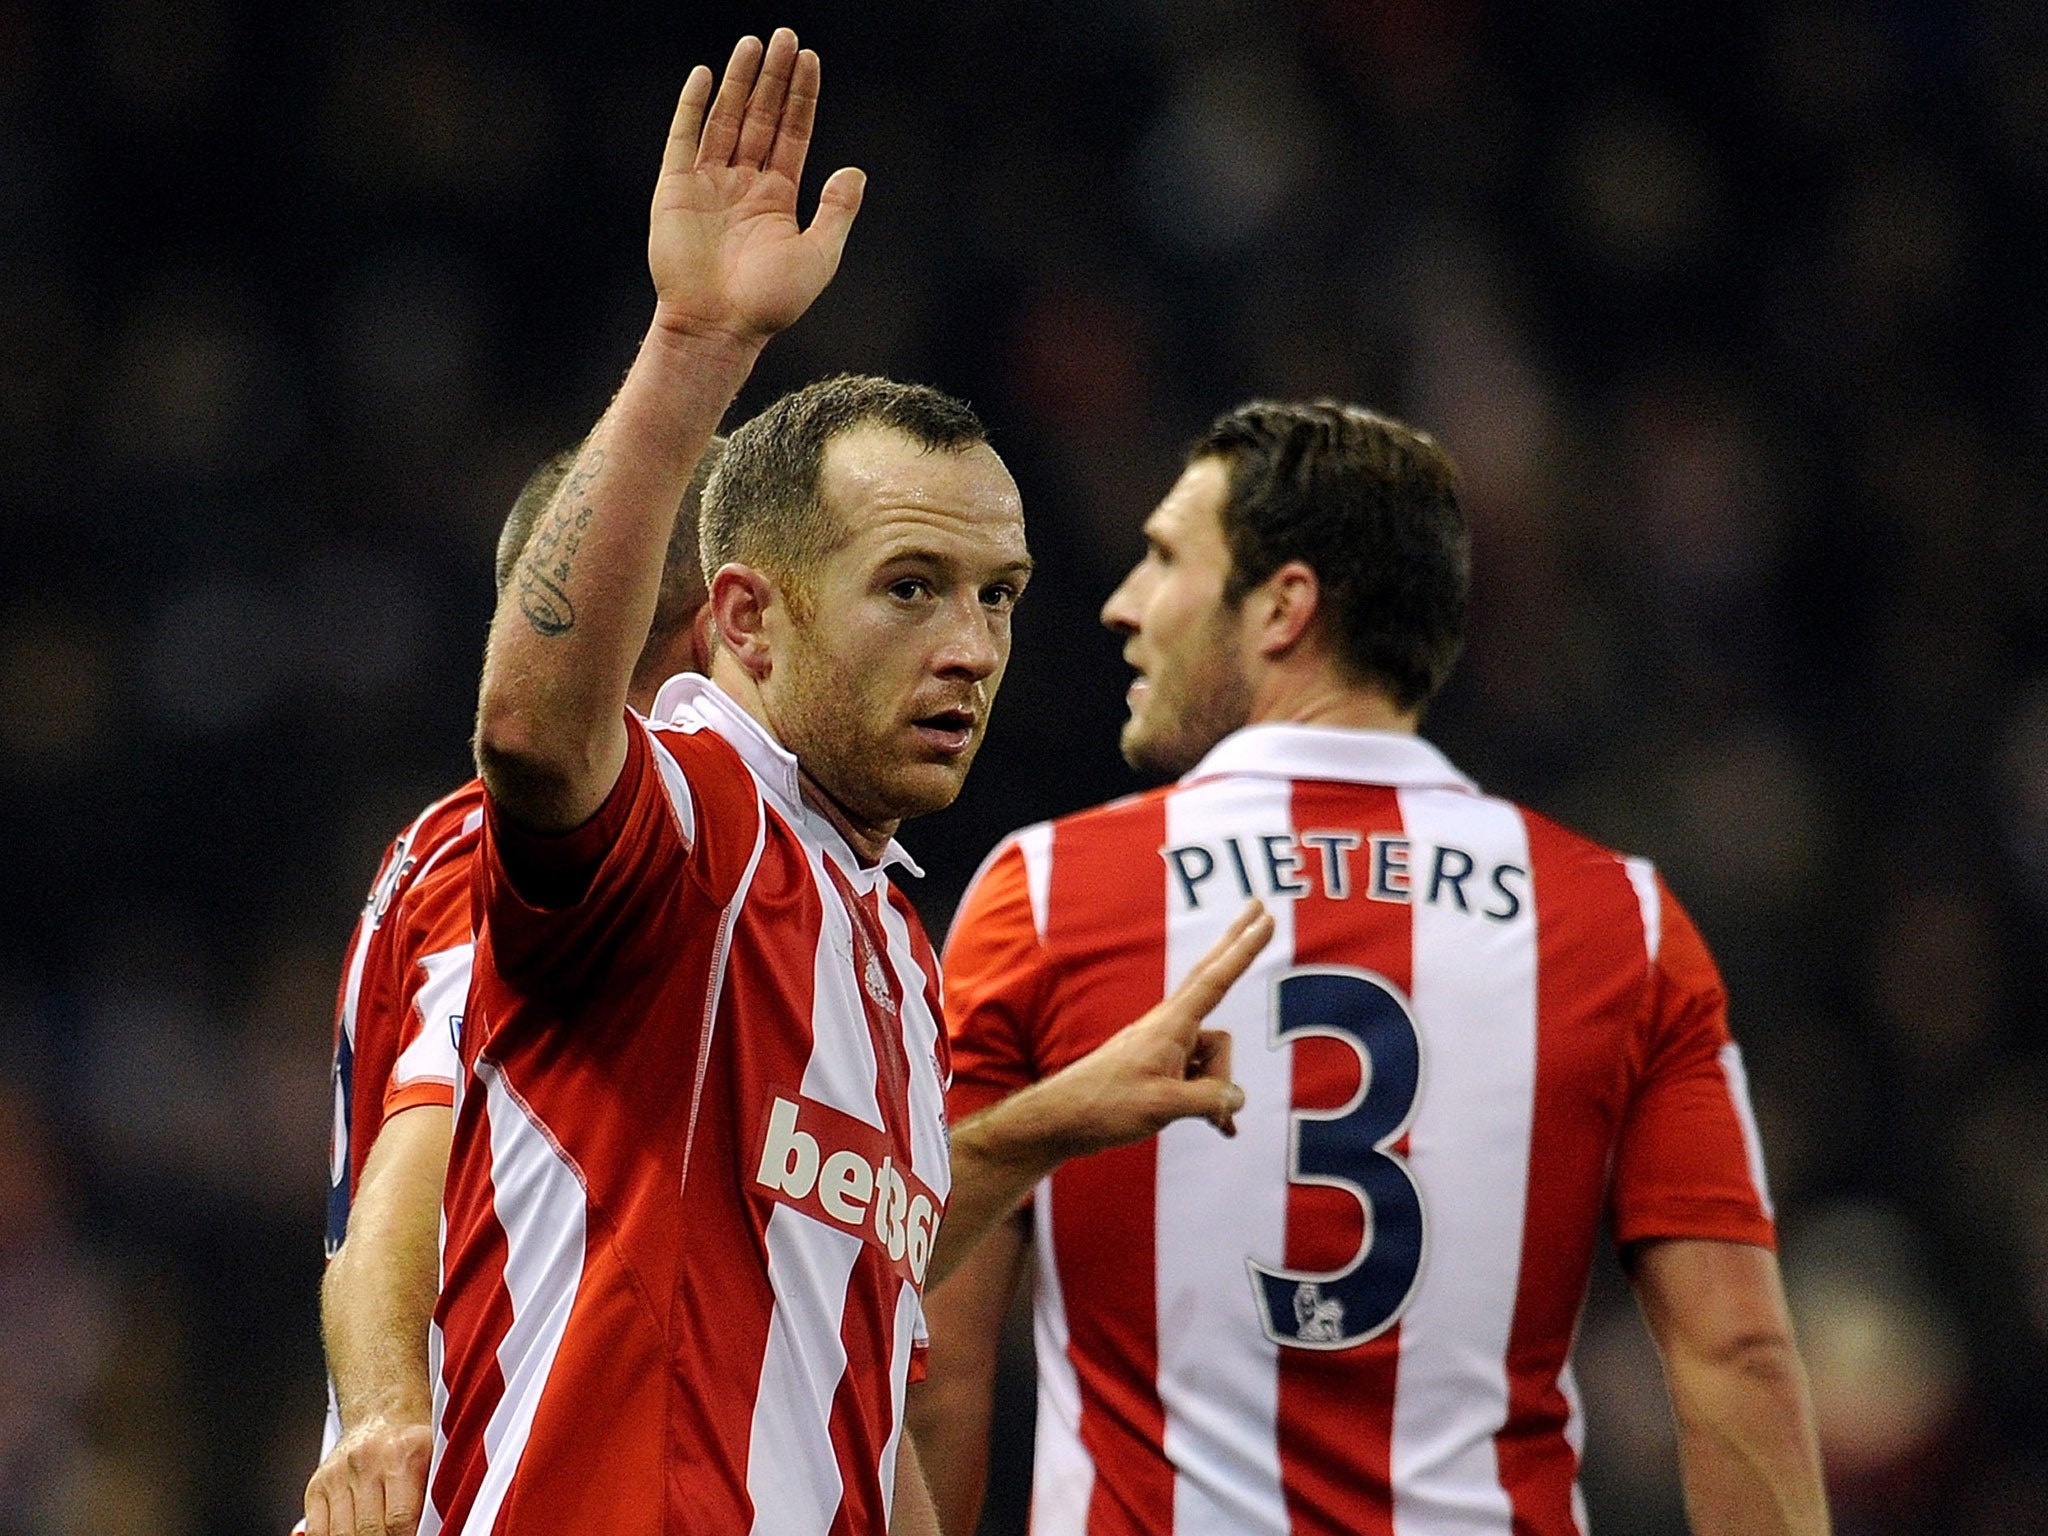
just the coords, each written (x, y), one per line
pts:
(727, 254)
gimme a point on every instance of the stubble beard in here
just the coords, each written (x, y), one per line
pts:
(1187, 714)
(834, 742)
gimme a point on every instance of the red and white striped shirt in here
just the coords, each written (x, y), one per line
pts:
(401, 997)
(699, 1160)
(1473, 1038)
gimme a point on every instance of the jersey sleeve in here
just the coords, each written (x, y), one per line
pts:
(564, 911)
(1689, 1164)
(998, 982)
(434, 954)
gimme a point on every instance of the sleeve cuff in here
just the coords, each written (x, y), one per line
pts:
(555, 870)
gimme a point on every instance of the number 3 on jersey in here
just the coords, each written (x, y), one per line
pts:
(1347, 1148)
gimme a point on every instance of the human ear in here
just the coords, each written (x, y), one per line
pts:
(1288, 602)
(740, 599)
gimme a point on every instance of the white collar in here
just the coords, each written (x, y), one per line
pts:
(1342, 753)
(692, 701)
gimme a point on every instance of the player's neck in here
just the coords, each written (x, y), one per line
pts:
(1320, 696)
(868, 843)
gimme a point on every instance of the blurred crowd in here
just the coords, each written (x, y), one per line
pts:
(1735, 317)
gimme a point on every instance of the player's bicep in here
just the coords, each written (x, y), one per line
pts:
(560, 908)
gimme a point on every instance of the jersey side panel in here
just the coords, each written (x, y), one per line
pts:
(587, 1023)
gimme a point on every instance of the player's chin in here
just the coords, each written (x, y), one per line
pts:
(922, 787)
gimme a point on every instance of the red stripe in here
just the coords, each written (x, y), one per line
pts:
(1336, 1409)
(1589, 961)
(475, 1314)
(1114, 1348)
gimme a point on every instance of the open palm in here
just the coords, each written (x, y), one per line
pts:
(724, 246)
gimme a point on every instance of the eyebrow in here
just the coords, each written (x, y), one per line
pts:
(1023, 567)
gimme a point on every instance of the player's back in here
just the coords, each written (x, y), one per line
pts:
(1363, 1303)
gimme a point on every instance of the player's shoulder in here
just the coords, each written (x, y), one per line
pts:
(1032, 845)
(1567, 846)
(1110, 816)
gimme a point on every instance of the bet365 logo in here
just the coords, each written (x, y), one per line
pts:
(842, 1171)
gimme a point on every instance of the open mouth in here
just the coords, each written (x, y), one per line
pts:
(949, 730)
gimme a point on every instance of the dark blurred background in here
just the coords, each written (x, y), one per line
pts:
(1734, 317)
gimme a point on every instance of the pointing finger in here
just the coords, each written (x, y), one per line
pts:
(1217, 971)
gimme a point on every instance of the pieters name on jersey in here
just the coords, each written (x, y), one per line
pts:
(1380, 866)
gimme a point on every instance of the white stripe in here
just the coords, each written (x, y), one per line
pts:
(714, 991)
(1737, 1078)
(792, 1468)
(1642, 874)
(1474, 996)
(1062, 1473)
(909, 1327)
(433, 1055)
(1035, 844)
(539, 1200)
(677, 787)
(1219, 1376)
(1575, 1437)
(430, 1516)
(929, 1159)
(842, 1070)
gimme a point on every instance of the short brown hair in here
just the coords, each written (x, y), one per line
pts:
(682, 583)
(764, 506)
(1371, 506)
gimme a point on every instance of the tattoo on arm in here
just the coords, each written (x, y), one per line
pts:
(543, 572)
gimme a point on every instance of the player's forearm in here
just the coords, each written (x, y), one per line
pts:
(572, 621)
(912, 1514)
(1748, 1455)
(998, 1155)
(374, 1317)
(378, 1296)
(951, 1411)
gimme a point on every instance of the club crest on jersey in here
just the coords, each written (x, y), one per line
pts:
(875, 981)
(838, 1169)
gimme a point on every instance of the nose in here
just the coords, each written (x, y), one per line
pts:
(1120, 612)
(972, 647)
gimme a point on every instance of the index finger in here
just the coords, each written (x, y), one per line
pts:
(687, 126)
(1217, 971)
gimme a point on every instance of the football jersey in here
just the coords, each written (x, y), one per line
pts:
(400, 1003)
(699, 1160)
(1474, 1037)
